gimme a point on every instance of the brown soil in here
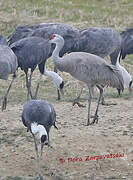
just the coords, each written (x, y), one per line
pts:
(113, 134)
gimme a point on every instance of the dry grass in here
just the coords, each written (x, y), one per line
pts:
(80, 13)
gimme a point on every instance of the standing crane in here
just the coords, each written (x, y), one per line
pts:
(8, 65)
(99, 41)
(45, 30)
(88, 68)
(39, 116)
(32, 52)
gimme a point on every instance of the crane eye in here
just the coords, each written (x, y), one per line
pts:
(52, 37)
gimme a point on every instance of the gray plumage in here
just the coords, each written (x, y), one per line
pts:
(127, 43)
(31, 52)
(3, 40)
(8, 65)
(39, 116)
(89, 68)
(45, 30)
(39, 111)
(101, 42)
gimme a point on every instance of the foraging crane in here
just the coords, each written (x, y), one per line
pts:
(88, 68)
(45, 30)
(39, 116)
(99, 41)
(8, 65)
(32, 52)
(127, 43)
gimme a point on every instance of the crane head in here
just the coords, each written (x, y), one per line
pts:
(56, 38)
(52, 37)
(58, 83)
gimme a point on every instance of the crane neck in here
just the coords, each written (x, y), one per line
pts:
(37, 128)
(57, 80)
(56, 51)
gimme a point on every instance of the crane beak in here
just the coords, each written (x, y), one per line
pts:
(43, 140)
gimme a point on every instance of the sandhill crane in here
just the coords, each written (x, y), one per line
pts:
(39, 116)
(8, 65)
(98, 40)
(88, 68)
(127, 43)
(45, 30)
(32, 52)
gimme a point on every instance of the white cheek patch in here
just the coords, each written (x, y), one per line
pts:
(34, 128)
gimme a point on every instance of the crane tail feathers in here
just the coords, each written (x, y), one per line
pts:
(117, 77)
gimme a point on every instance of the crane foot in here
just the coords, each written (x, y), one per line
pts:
(95, 119)
(108, 103)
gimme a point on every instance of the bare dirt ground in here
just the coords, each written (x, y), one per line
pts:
(113, 134)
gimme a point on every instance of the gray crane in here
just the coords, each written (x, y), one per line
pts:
(101, 42)
(32, 52)
(88, 68)
(45, 30)
(8, 65)
(127, 43)
(39, 116)
(98, 40)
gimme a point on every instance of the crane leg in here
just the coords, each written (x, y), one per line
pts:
(55, 69)
(76, 101)
(95, 118)
(58, 95)
(58, 92)
(130, 87)
(46, 143)
(5, 97)
(37, 88)
(89, 105)
(106, 103)
(28, 85)
(37, 159)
